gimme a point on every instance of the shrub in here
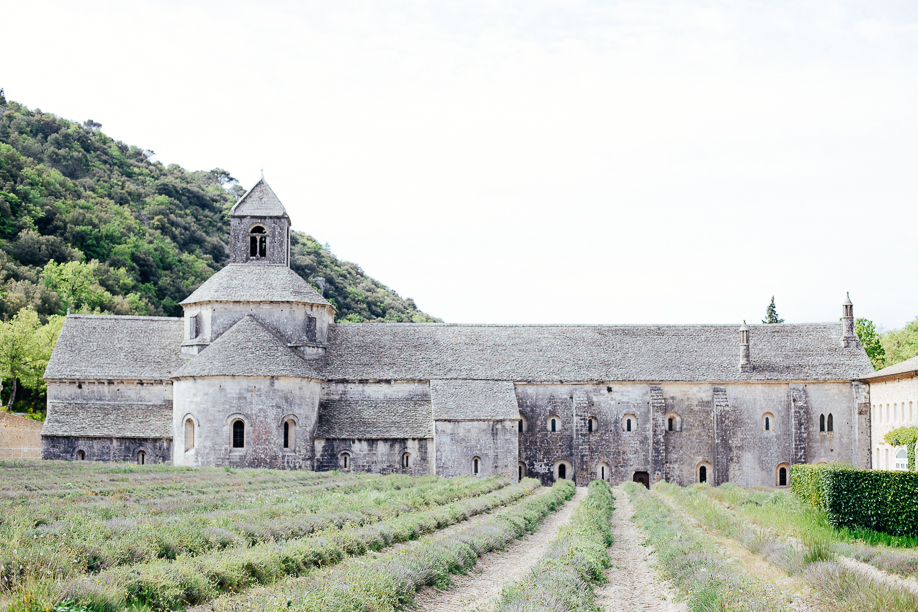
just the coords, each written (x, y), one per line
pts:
(872, 499)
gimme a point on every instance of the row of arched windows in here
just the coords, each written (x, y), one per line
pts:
(895, 413)
(237, 434)
(345, 461)
(630, 423)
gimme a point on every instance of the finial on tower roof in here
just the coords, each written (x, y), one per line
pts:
(262, 174)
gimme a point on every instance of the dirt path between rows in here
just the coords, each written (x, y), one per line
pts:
(633, 584)
(483, 584)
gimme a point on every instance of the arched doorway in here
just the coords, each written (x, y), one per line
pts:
(643, 478)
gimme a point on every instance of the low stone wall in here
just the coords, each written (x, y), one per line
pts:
(20, 437)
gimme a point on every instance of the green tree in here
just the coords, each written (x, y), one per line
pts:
(771, 315)
(907, 436)
(869, 337)
(901, 344)
(25, 349)
(77, 285)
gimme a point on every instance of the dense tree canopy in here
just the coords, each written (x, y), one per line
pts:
(91, 224)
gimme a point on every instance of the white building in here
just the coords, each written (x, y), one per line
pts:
(894, 404)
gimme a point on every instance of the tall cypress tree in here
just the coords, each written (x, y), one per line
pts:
(771, 315)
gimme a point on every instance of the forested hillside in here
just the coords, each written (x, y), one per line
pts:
(91, 224)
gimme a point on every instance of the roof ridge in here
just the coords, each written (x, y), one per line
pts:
(573, 325)
(122, 317)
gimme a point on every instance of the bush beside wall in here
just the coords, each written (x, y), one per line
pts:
(875, 499)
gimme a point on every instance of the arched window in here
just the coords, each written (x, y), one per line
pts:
(289, 437)
(189, 434)
(673, 421)
(562, 471)
(81, 455)
(822, 422)
(703, 472)
(406, 461)
(141, 458)
(902, 459)
(782, 476)
(521, 469)
(554, 424)
(258, 242)
(238, 434)
(476, 466)
(829, 423)
(602, 471)
(523, 423)
(768, 422)
(345, 461)
(593, 425)
(629, 422)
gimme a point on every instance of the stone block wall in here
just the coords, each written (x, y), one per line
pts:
(262, 404)
(20, 437)
(494, 443)
(375, 456)
(156, 450)
(893, 403)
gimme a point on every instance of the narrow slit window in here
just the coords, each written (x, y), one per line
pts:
(671, 423)
(590, 426)
(475, 466)
(703, 474)
(554, 425)
(822, 422)
(189, 435)
(829, 426)
(286, 434)
(406, 461)
(238, 434)
(520, 426)
(767, 424)
(782, 477)
(628, 425)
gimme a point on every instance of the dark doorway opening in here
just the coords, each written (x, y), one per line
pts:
(782, 477)
(562, 472)
(703, 474)
(643, 478)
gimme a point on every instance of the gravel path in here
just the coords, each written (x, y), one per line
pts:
(633, 584)
(483, 584)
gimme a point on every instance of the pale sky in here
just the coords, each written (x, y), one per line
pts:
(534, 161)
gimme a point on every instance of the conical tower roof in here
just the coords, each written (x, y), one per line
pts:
(260, 201)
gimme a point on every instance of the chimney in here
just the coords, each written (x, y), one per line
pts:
(745, 365)
(849, 337)
(320, 282)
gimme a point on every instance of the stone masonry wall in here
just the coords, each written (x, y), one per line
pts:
(894, 403)
(157, 450)
(20, 437)
(263, 404)
(495, 443)
(375, 456)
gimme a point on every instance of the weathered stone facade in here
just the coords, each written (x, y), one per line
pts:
(258, 374)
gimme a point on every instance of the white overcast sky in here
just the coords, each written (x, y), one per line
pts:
(533, 162)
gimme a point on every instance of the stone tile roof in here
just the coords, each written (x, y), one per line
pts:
(248, 348)
(374, 419)
(108, 420)
(909, 366)
(574, 353)
(255, 283)
(260, 201)
(473, 400)
(108, 347)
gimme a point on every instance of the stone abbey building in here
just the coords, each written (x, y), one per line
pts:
(258, 374)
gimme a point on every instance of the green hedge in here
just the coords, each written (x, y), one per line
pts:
(879, 500)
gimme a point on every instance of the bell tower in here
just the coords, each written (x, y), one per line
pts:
(259, 228)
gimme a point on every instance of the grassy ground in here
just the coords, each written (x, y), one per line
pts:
(108, 537)
(761, 549)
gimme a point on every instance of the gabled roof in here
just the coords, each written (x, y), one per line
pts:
(374, 419)
(255, 283)
(909, 366)
(108, 347)
(248, 348)
(260, 201)
(582, 353)
(473, 400)
(108, 420)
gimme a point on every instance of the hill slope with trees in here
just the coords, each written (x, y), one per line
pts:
(91, 224)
